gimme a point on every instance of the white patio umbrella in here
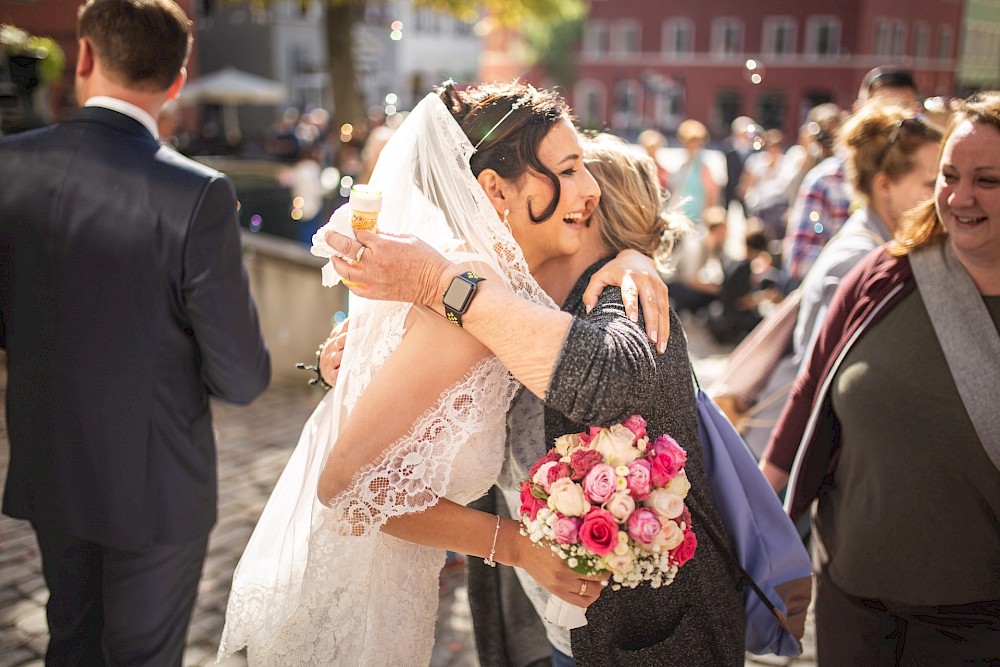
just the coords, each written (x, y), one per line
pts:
(229, 88)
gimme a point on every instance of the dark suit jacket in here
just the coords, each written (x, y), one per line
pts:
(124, 304)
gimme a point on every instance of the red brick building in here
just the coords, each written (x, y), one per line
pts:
(653, 63)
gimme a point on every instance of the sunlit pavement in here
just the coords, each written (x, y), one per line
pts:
(254, 443)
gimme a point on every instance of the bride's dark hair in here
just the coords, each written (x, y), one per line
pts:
(508, 141)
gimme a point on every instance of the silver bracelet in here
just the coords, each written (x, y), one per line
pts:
(493, 550)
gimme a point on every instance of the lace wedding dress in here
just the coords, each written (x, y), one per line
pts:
(322, 585)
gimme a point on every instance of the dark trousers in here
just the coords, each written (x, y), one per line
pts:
(868, 633)
(113, 607)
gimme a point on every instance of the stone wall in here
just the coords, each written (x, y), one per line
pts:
(296, 311)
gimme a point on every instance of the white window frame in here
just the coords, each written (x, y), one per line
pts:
(582, 92)
(619, 38)
(946, 37)
(814, 24)
(597, 38)
(622, 119)
(921, 40)
(672, 29)
(720, 29)
(771, 25)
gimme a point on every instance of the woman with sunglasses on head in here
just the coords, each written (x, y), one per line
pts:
(893, 425)
(890, 161)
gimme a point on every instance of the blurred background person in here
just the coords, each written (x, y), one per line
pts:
(699, 265)
(890, 163)
(694, 187)
(823, 203)
(742, 141)
(816, 141)
(750, 287)
(897, 444)
(764, 185)
(652, 141)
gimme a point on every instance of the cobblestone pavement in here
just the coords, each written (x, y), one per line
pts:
(254, 443)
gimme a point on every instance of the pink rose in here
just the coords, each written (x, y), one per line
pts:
(643, 526)
(581, 461)
(666, 460)
(637, 425)
(685, 551)
(551, 455)
(599, 483)
(599, 532)
(529, 503)
(558, 471)
(639, 480)
(567, 530)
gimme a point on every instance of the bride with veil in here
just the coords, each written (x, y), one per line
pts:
(343, 565)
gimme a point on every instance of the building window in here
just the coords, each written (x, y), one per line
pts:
(627, 36)
(778, 36)
(823, 36)
(882, 36)
(945, 42)
(678, 37)
(668, 102)
(589, 104)
(597, 39)
(727, 108)
(899, 39)
(627, 117)
(921, 40)
(727, 37)
(771, 109)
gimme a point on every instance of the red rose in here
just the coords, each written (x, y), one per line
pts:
(599, 531)
(581, 461)
(558, 471)
(589, 434)
(551, 455)
(685, 550)
(529, 503)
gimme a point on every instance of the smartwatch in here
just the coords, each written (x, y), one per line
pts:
(459, 295)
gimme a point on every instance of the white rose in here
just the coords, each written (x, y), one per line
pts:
(615, 443)
(621, 505)
(679, 485)
(567, 498)
(567, 444)
(669, 537)
(665, 504)
(620, 563)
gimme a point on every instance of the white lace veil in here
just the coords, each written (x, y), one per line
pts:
(428, 191)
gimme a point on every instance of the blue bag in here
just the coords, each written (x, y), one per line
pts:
(765, 543)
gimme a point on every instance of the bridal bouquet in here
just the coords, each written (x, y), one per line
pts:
(608, 499)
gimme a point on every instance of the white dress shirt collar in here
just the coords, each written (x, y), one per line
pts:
(130, 110)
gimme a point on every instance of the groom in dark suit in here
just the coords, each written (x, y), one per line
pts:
(124, 305)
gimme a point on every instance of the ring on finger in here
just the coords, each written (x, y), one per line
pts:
(361, 251)
(583, 589)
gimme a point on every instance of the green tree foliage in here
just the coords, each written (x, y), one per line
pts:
(343, 15)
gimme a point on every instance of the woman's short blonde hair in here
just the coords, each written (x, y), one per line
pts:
(692, 130)
(922, 226)
(631, 211)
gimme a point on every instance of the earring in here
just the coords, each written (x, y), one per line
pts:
(506, 215)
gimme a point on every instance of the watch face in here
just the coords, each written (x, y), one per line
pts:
(458, 294)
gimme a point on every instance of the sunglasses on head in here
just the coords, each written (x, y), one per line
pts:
(915, 126)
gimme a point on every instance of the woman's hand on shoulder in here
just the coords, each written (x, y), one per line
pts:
(641, 284)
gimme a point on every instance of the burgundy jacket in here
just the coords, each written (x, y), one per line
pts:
(806, 440)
